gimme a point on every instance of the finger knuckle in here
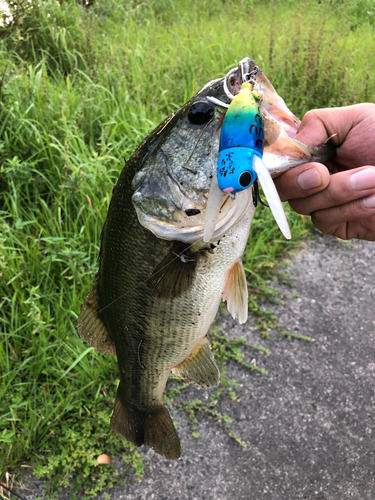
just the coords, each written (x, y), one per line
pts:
(317, 220)
(335, 196)
(369, 107)
(300, 206)
(320, 222)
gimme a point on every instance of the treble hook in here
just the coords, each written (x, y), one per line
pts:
(246, 75)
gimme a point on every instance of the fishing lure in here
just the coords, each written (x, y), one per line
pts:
(241, 140)
(240, 162)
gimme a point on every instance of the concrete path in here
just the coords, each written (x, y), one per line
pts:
(309, 424)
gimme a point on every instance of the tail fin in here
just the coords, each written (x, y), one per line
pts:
(153, 427)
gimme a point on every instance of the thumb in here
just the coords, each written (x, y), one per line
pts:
(302, 181)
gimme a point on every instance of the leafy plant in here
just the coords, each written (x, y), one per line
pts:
(71, 461)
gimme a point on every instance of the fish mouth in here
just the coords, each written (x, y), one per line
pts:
(189, 221)
(279, 111)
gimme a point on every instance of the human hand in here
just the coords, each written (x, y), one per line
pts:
(343, 203)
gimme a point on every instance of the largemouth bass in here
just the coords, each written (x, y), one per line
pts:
(159, 284)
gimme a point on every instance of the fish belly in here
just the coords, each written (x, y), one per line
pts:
(178, 324)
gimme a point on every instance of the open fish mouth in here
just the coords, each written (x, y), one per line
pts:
(186, 222)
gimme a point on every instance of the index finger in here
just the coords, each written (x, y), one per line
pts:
(319, 124)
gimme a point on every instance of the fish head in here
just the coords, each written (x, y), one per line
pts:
(175, 173)
(171, 188)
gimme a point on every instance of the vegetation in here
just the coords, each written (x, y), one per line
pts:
(81, 84)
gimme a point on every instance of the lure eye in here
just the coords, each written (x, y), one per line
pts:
(200, 112)
(245, 179)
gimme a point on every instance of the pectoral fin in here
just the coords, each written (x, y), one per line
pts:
(200, 367)
(235, 292)
(90, 326)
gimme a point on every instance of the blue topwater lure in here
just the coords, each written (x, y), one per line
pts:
(240, 161)
(241, 138)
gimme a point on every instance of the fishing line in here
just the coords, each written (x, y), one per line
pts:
(170, 119)
(12, 492)
(178, 256)
(256, 196)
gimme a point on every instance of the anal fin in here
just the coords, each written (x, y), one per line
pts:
(90, 326)
(200, 367)
(235, 292)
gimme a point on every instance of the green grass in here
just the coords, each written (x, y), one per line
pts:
(80, 87)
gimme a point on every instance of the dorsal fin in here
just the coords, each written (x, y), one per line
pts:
(91, 327)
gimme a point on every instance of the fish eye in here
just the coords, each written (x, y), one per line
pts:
(245, 179)
(200, 112)
(192, 211)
